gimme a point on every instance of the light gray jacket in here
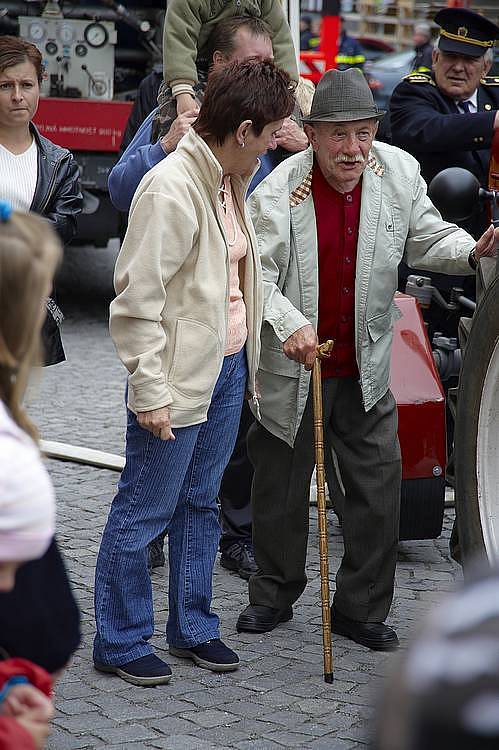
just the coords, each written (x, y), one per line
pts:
(397, 220)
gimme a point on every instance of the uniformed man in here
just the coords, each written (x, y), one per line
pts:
(447, 118)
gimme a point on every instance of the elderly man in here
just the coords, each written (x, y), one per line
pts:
(332, 225)
(448, 119)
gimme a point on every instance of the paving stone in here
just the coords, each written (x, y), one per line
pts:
(211, 718)
(126, 733)
(183, 742)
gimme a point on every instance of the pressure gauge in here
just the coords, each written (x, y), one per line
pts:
(96, 34)
(36, 32)
(66, 33)
(81, 50)
(51, 48)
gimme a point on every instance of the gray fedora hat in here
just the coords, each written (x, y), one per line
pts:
(343, 96)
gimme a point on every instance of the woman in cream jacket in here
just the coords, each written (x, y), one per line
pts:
(186, 324)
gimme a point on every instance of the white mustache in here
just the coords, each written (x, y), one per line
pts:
(349, 159)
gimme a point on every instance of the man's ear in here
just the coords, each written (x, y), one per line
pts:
(434, 55)
(243, 131)
(487, 64)
(375, 129)
(310, 133)
(218, 58)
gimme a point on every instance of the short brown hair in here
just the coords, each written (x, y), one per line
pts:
(14, 51)
(223, 36)
(256, 91)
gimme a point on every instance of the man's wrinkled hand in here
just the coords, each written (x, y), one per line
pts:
(301, 346)
(291, 137)
(179, 128)
(157, 421)
(486, 246)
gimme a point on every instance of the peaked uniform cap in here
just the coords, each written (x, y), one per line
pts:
(343, 96)
(465, 32)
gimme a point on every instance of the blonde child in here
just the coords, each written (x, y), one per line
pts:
(188, 25)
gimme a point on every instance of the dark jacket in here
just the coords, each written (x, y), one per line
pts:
(423, 59)
(145, 102)
(57, 193)
(428, 125)
(58, 199)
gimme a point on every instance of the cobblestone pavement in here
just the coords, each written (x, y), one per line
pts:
(278, 698)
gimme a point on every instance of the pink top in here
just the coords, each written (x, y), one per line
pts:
(237, 331)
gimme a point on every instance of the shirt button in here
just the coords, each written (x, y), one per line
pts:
(344, 318)
(346, 290)
(349, 230)
(348, 260)
(349, 198)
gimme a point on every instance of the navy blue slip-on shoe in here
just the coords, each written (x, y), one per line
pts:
(214, 655)
(145, 672)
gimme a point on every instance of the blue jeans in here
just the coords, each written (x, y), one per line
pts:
(174, 485)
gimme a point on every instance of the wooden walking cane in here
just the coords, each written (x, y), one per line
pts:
(323, 351)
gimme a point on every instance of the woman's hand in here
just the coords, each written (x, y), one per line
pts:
(157, 421)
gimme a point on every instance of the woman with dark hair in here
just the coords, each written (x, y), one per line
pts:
(186, 324)
(35, 174)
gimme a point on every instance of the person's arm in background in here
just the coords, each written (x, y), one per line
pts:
(282, 42)
(142, 155)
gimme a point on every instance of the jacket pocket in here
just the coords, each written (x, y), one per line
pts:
(196, 359)
(275, 361)
(379, 325)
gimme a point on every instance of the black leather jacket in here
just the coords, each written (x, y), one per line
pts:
(57, 194)
(58, 199)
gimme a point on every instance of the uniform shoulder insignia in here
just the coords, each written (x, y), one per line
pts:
(419, 78)
(490, 81)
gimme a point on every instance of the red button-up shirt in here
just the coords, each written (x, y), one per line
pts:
(337, 216)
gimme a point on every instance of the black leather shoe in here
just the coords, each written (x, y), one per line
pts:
(155, 553)
(239, 557)
(374, 635)
(259, 619)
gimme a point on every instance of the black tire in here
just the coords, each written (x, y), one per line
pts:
(421, 508)
(421, 503)
(476, 469)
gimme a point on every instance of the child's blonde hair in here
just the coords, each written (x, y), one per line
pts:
(29, 254)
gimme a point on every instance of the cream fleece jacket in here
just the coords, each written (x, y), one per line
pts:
(169, 318)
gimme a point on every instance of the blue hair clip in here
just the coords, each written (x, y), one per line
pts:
(5, 211)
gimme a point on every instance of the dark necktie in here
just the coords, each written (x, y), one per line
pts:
(465, 107)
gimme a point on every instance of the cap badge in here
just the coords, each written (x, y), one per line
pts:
(462, 31)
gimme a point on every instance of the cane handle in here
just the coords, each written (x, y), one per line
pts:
(324, 350)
